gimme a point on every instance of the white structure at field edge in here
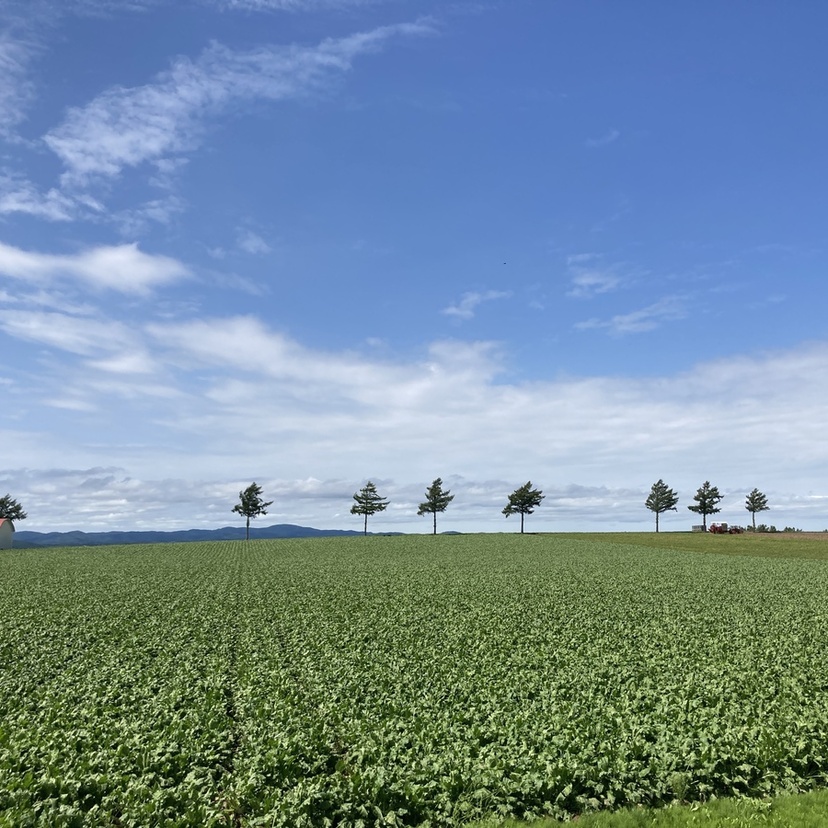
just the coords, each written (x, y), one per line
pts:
(6, 533)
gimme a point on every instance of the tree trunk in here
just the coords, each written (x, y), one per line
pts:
(247, 529)
(753, 515)
(656, 521)
(365, 529)
(521, 523)
(704, 521)
(435, 523)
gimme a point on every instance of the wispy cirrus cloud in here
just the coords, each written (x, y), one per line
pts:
(122, 268)
(134, 222)
(251, 242)
(25, 26)
(469, 302)
(589, 277)
(642, 320)
(245, 344)
(582, 258)
(16, 88)
(17, 195)
(587, 283)
(128, 127)
(80, 335)
(609, 137)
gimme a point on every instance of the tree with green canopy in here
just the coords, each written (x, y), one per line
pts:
(523, 501)
(756, 502)
(437, 500)
(251, 505)
(11, 509)
(707, 498)
(661, 499)
(368, 502)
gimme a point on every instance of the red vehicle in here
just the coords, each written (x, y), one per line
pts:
(724, 529)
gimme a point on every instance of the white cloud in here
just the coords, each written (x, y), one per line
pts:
(20, 196)
(71, 404)
(407, 415)
(589, 283)
(23, 38)
(237, 283)
(251, 242)
(642, 320)
(75, 334)
(126, 127)
(122, 268)
(156, 124)
(128, 362)
(230, 398)
(54, 300)
(466, 307)
(136, 221)
(16, 90)
(607, 138)
(250, 349)
(590, 278)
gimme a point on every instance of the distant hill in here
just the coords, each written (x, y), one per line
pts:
(24, 539)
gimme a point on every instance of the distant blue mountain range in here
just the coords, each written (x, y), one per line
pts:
(24, 539)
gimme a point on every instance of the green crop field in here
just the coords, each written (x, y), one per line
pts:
(408, 680)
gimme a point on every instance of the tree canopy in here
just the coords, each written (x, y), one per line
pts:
(523, 501)
(756, 502)
(437, 500)
(368, 502)
(11, 509)
(707, 498)
(251, 505)
(661, 499)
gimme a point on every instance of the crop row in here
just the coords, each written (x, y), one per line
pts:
(402, 680)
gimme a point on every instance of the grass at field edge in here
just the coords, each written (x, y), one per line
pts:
(808, 810)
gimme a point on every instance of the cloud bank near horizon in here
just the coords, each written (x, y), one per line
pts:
(234, 393)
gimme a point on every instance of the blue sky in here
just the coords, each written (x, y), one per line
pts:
(312, 243)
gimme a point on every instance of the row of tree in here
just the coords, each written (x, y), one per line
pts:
(368, 501)
(522, 501)
(706, 502)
